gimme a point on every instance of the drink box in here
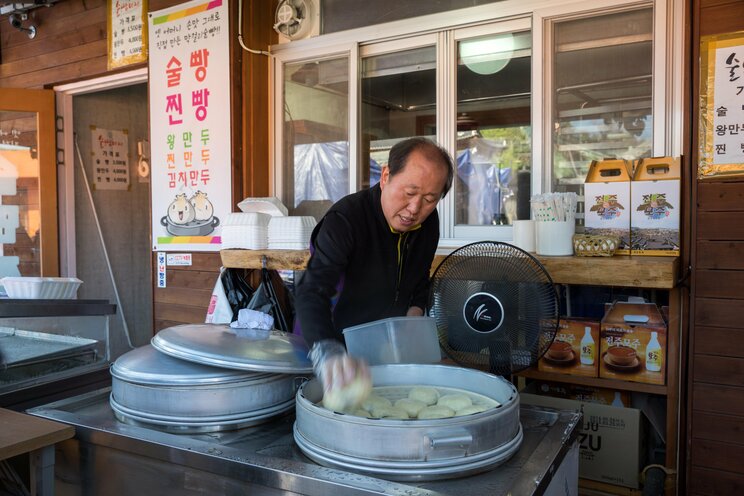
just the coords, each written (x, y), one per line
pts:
(655, 207)
(574, 350)
(633, 343)
(607, 201)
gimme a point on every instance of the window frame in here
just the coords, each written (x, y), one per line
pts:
(539, 16)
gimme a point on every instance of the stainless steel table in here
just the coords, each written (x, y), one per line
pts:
(110, 457)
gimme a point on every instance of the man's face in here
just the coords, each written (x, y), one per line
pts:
(411, 195)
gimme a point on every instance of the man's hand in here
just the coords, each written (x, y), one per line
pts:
(415, 312)
(339, 371)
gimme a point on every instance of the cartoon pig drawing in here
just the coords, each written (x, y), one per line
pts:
(203, 209)
(180, 211)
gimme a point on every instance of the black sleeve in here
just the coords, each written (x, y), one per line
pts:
(333, 245)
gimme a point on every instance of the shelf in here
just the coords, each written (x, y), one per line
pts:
(621, 270)
(594, 382)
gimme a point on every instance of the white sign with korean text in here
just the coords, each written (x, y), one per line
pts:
(190, 122)
(728, 106)
(110, 150)
(179, 259)
(127, 36)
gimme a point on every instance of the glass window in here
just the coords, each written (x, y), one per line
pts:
(493, 129)
(20, 212)
(398, 101)
(316, 135)
(602, 106)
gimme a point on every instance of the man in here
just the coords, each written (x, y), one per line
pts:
(371, 257)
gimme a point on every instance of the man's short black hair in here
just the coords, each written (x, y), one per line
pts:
(401, 150)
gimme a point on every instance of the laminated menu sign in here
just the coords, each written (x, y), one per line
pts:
(721, 111)
(189, 73)
(127, 36)
(110, 149)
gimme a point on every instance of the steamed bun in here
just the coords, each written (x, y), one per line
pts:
(428, 395)
(348, 397)
(436, 412)
(469, 410)
(455, 401)
(411, 407)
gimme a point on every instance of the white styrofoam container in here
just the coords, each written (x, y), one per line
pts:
(41, 288)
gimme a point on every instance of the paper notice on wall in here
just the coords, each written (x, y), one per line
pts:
(127, 32)
(728, 114)
(110, 150)
(191, 163)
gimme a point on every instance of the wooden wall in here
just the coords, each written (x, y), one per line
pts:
(715, 422)
(71, 45)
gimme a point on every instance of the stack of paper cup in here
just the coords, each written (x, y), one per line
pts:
(523, 234)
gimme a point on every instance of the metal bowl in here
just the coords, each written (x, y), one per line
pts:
(413, 449)
(149, 386)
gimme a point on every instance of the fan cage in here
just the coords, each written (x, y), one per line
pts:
(524, 289)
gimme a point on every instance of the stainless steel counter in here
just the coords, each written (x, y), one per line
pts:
(110, 457)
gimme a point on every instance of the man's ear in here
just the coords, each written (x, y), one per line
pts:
(384, 176)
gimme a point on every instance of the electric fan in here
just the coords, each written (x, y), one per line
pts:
(495, 307)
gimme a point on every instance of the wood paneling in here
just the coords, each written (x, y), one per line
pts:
(719, 370)
(720, 226)
(719, 341)
(719, 283)
(727, 400)
(720, 196)
(719, 255)
(717, 455)
(714, 482)
(185, 299)
(723, 17)
(719, 313)
(723, 428)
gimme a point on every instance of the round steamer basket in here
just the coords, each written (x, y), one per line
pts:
(413, 450)
(152, 388)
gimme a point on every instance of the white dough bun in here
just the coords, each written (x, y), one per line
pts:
(427, 394)
(469, 410)
(456, 401)
(411, 407)
(436, 412)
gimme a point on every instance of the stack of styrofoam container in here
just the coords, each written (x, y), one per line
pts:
(248, 231)
(291, 233)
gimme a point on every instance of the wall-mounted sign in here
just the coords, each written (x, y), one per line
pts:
(721, 105)
(179, 259)
(110, 150)
(127, 32)
(190, 122)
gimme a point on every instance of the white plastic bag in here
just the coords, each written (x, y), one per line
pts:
(219, 311)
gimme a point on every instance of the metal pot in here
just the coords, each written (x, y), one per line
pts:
(413, 449)
(193, 228)
(153, 388)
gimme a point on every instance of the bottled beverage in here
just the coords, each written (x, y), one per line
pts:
(618, 401)
(588, 347)
(653, 354)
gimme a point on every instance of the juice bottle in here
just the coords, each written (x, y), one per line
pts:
(588, 348)
(653, 354)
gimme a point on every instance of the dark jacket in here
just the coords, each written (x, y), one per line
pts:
(354, 275)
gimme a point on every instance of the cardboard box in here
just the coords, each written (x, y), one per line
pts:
(611, 440)
(655, 206)
(607, 201)
(585, 394)
(581, 353)
(633, 343)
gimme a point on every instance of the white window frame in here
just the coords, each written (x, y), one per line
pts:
(668, 83)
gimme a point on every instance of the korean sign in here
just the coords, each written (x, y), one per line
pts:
(722, 105)
(127, 36)
(110, 150)
(190, 125)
